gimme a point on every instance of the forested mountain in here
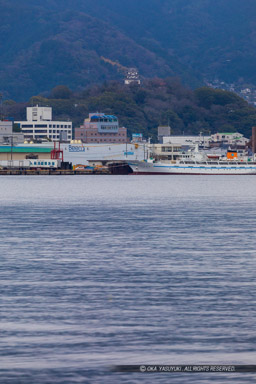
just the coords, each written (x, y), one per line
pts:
(48, 42)
(143, 108)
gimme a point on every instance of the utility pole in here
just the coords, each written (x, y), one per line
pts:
(11, 137)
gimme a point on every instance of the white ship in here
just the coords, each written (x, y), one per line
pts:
(196, 163)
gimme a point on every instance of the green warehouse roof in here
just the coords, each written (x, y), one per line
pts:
(8, 149)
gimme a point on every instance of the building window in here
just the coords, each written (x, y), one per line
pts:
(40, 131)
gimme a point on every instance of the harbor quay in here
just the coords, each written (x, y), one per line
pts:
(100, 146)
(75, 158)
(53, 172)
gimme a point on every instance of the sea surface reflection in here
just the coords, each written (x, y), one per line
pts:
(99, 271)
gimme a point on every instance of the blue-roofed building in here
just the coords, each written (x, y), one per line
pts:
(101, 128)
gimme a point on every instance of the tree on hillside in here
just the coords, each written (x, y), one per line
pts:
(155, 102)
(208, 96)
(61, 92)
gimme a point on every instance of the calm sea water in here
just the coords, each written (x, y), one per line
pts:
(98, 271)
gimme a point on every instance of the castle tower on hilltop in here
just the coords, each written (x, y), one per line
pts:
(132, 76)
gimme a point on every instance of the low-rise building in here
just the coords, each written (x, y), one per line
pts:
(165, 151)
(6, 127)
(163, 131)
(229, 138)
(39, 125)
(138, 138)
(9, 152)
(7, 135)
(101, 128)
(187, 141)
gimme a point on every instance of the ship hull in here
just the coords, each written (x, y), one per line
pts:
(144, 168)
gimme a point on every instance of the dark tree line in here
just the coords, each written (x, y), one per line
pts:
(143, 108)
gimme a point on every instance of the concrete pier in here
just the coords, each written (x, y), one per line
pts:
(61, 172)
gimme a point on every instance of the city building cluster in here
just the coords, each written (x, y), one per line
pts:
(247, 92)
(100, 128)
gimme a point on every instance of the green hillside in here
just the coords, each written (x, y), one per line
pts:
(51, 42)
(143, 108)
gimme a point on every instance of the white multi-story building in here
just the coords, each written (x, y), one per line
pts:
(39, 125)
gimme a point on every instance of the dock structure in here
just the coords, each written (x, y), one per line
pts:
(53, 172)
